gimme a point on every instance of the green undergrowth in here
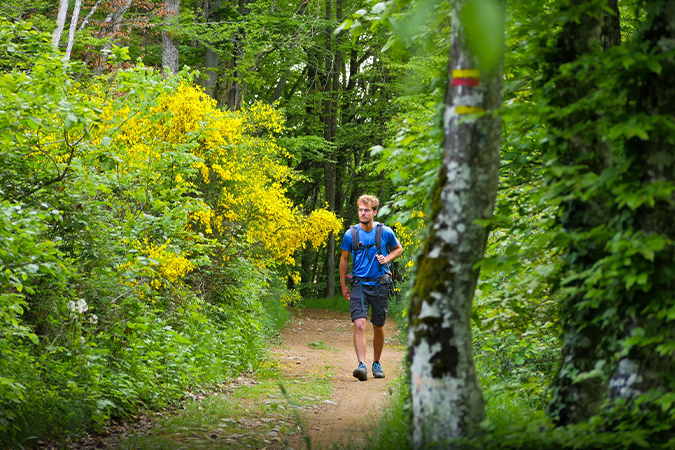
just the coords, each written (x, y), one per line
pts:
(395, 426)
(151, 361)
(336, 303)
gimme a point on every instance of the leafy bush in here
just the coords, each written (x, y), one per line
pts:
(133, 262)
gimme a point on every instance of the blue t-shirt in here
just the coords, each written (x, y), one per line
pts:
(366, 264)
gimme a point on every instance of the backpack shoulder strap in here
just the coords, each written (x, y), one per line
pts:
(378, 238)
(355, 238)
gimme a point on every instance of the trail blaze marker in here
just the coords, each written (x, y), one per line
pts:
(468, 109)
(466, 77)
(470, 78)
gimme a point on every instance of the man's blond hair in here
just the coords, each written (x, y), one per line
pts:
(370, 201)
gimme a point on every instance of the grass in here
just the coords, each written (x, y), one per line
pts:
(335, 303)
(320, 345)
(248, 413)
(508, 410)
(253, 411)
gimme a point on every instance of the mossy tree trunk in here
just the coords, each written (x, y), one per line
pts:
(446, 397)
(647, 362)
(592, 32)
(618, 328)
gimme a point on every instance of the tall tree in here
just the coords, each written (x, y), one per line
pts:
(170, 52)
(618, 196)
(111, 27)
(60, 22)
(73, 26)
(330, 86)
(212, 58)
(446, 398)
(646, 364)
(576, 400)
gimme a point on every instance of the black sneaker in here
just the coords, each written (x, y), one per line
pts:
(377, 370)
(361, 372)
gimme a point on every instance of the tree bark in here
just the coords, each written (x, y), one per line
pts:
(170, 53)
(60, 23)
(212, 59)
(644, 368)
(329, 127)
(446, 398)
(235, 88)
(73, 27)
(90, 15)
(576, 400)
(279, 89)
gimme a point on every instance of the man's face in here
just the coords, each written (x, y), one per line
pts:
(366, 214)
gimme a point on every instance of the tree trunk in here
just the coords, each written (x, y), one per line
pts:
(91, 13)
(446, 398)
(235, 88)
(329, 169)
(643, 367)
(169, 44)
(212, 59)
(60, 23)
(279, 89)
(576, 400)
(73, 27)
(308, 257)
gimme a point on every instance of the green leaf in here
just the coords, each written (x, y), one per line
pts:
(654, 66)
(408, 139)
(483, 23)
(344, 25)
(630, 280)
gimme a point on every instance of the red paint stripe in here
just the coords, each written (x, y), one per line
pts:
(465, 81)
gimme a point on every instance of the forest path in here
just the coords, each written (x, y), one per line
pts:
(320, 343)
(305, 392)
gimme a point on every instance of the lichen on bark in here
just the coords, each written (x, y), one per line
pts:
(446, 397)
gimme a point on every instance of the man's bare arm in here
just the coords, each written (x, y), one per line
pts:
(393, 254)
(344, 267)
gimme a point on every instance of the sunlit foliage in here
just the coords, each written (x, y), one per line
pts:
(141, 228)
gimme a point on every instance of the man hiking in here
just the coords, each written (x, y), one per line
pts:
(372, 246)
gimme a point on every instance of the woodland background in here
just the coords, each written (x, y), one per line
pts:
(175, 173)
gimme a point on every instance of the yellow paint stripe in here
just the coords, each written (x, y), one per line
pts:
(466, 73)
(468, 109)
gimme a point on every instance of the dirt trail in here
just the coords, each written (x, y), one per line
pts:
(320, 342)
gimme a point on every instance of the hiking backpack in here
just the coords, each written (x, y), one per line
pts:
(378, 245)
(355, 240)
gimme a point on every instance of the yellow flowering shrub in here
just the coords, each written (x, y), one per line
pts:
(156, 264)
(290, 298)
(410, 236)
(221, 172)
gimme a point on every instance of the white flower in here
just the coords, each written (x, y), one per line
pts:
(93, 319)
(82, 306)
(82, 340)
(72, 306)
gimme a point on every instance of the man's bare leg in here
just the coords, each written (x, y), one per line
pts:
(378, 342)
(360, 339)
(361, 373)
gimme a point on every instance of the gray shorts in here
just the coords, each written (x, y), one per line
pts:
(375, 297)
